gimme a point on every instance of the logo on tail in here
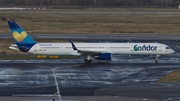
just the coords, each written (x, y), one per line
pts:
(19, 36)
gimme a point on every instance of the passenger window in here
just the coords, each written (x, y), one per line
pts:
(167, 48)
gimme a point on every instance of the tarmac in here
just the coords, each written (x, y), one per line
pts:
(131, 78)
(78, 98)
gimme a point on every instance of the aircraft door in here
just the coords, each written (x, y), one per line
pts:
(159, 49)
(35, 49)
(132, 49)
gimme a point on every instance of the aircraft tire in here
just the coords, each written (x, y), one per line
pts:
(87, 61)
(156, 61)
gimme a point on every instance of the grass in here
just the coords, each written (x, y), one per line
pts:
(94, 23)
(17, 57)
(4, 47)
(32, 57)
(171, 77)
(118, 10)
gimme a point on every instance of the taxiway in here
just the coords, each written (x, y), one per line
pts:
(130, 76)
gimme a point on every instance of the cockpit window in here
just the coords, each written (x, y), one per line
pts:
(167, 48)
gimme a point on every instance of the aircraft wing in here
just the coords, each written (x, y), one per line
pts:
(85, 52)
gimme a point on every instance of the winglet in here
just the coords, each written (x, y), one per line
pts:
(73, 46)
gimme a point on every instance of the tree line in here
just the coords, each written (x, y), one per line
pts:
(96, 3)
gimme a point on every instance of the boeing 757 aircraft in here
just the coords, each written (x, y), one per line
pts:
(99, 51)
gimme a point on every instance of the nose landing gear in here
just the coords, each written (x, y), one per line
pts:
(157, 58)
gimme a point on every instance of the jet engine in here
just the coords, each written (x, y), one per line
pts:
(102, 56)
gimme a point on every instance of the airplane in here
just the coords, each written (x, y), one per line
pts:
(99, 51)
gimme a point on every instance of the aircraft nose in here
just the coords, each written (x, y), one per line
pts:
(172, 51)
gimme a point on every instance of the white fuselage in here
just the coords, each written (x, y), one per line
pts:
(113, 48)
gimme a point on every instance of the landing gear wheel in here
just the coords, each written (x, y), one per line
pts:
(156, 61)
(157, 58)
(87, 61)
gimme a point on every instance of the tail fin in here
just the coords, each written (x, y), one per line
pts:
(22, 39)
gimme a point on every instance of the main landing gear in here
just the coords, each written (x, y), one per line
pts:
(88, 59)
(157, 58)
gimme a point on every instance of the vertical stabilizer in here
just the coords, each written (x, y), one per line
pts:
(22, 39)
